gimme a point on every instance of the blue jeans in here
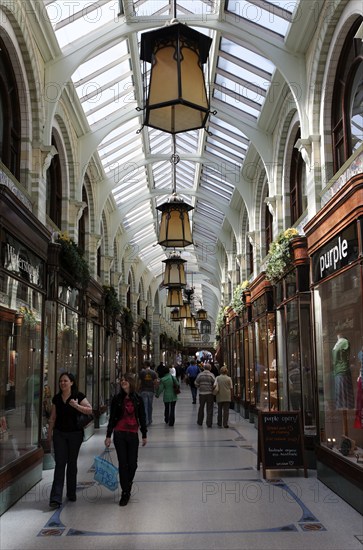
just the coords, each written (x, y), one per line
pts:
(148, 397)
(66, 449)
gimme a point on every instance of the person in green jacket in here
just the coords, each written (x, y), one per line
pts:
(167, 386)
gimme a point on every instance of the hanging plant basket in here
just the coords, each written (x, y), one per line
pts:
(72, 260)
(112, 303)
(144, 329)
(280, 256)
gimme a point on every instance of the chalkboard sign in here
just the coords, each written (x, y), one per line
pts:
(280, 441)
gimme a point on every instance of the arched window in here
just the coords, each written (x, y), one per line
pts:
(54, 189)
(9, 115)
(347, 105)
(268, 228)
(297, 197)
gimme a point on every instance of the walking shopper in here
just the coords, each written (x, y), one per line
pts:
(167, 386)
(205, 382)
(224, 395)
(147, 381)
(191, 375)
(127, 416)
(67, 404)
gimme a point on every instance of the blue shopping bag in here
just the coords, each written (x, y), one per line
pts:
(106, 473)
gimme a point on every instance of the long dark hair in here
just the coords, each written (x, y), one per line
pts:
(131, 379)
(74, 388)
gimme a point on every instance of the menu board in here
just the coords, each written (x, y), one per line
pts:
(280, 441)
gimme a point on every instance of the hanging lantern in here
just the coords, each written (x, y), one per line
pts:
(175, 229)
(189, 323)
(202, 314)
(174, 275)
(184, 311)
(174, 314)
(175, 297)
(177, 99)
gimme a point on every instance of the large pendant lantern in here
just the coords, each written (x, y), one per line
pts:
(202, 314)
(174, 314)
(174, 275)
(177, 99)
(184, 311)
(175, 229)
(175, 297)
(190, 324)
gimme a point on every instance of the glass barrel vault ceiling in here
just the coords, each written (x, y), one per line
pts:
(136, 160)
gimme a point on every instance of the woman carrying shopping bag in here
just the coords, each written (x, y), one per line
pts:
(127, 416)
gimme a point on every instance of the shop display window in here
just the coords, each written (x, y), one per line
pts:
(339, 343)
(67, 342)
(266, 383)
(20, 368)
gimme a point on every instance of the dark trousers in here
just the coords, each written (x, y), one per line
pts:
(169, 413)
(66, 448)
(193, 389)
(223, 413)
(208, 401)
(127, 449)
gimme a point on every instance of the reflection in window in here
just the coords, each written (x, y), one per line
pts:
(339, 330)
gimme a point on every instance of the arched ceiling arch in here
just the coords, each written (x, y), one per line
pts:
(251, 63)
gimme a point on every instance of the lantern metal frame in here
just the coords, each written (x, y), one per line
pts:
(175, 93)
(175, 298)
(174, 229)
(174, 274)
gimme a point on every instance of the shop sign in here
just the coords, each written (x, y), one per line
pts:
(337, 253)
(18, 259)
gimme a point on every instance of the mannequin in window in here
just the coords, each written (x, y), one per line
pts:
(344, 396)
(358, 422)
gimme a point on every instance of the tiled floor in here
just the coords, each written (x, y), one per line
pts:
(195, 488)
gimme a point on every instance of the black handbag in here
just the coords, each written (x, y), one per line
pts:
(83, 420)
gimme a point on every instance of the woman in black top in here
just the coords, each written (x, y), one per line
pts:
(67, 404)
(127, 416)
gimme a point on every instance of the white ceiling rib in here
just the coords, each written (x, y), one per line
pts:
(110, 80)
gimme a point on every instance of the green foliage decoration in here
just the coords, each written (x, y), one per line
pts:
(280, 255)
(112, 303)
(72, 259)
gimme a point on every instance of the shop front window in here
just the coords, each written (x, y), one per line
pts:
(20, 368)
(339, 341)
(67, 341)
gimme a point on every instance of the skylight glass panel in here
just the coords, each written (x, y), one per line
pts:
(116, 53)
(227, 138)
(254, 98)
(264, 14)
(232, 99)
(248, 78)
(76, 19)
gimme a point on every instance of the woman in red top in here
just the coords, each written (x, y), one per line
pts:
(127, 415)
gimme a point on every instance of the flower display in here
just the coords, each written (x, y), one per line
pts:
(280, 256)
